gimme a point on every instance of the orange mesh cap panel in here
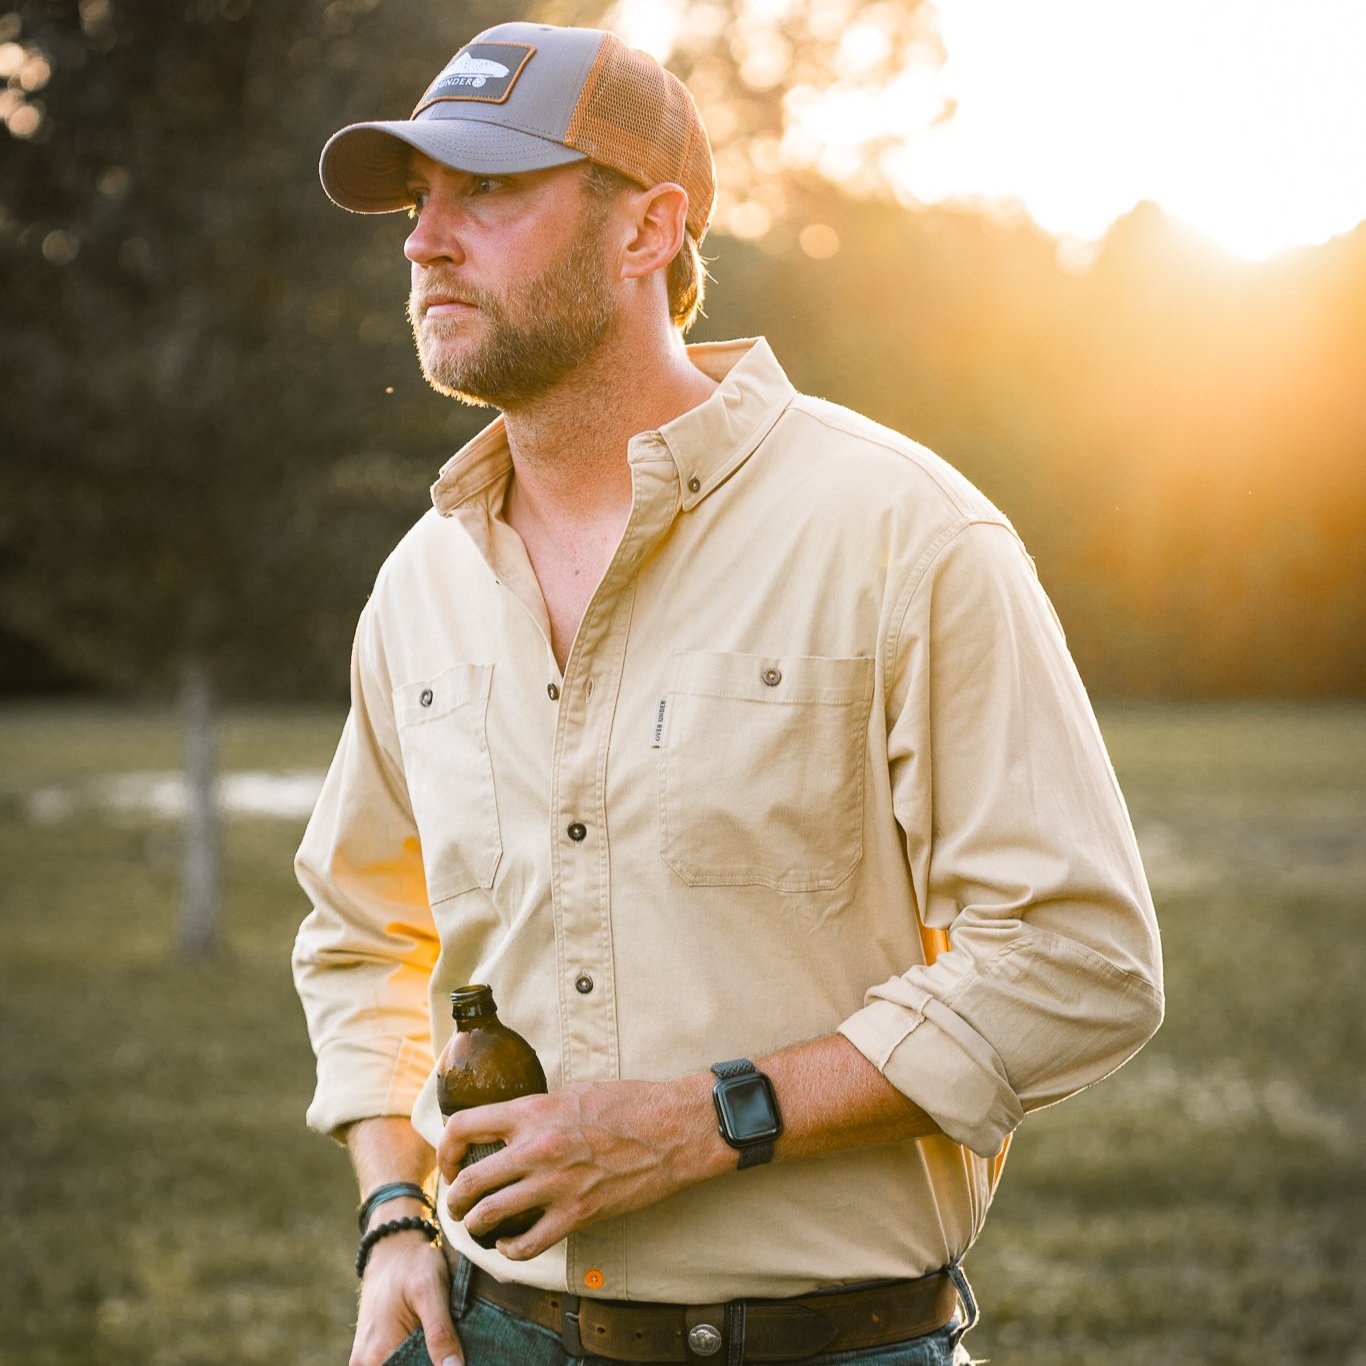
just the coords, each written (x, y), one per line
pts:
(639, 119)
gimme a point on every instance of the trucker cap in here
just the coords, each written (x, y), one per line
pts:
(525, 97)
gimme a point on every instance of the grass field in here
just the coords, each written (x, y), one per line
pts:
(161, 1203)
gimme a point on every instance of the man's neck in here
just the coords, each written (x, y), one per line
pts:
(570, 494)
(569, 446)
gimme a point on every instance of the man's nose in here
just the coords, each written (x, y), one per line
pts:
(435, 236)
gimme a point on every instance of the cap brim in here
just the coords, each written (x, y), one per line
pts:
(364, 168)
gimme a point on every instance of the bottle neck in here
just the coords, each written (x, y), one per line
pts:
(473, 1005)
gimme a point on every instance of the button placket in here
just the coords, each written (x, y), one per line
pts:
(584, 888)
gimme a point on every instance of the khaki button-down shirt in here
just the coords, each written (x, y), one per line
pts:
(819, 760)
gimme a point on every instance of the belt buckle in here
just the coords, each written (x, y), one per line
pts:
(569, 1327)
(704, 1331)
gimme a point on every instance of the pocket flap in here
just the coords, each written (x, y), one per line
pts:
(428, 699)
(773, 678)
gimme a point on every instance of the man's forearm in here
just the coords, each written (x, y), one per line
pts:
(832, 1097)
(387, 1149)
(595, 1150)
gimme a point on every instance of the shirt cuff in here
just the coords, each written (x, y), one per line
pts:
(936, 1060)
(364, 1082)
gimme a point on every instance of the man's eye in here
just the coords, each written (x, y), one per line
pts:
(483, 184)
(419, 201)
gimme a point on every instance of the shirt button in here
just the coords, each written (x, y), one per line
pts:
(426, 698)
(553, 692)
(694, 484)
(583, 984)
(771, 676)
(577, 831)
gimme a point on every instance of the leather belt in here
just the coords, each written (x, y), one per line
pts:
(762, 1330)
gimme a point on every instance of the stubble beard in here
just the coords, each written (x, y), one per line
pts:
(534, 333)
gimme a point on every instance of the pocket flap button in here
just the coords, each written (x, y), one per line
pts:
(772, 676)
(426, 698)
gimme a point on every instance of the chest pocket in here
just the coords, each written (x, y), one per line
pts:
(442, 733)
(762, 770)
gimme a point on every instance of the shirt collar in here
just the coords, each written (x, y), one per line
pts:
(707, 443)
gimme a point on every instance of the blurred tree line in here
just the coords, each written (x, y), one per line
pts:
(214, 428)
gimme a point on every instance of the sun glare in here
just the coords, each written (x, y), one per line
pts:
(1244, 120)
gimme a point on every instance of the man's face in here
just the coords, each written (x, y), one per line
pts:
(510, 289)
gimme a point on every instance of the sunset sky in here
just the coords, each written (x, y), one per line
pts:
(1244, 118)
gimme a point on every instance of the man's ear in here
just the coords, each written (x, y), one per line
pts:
(659, 218)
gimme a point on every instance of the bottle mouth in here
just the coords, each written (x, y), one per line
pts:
(474, 999)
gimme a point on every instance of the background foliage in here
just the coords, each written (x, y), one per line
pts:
(214, 427)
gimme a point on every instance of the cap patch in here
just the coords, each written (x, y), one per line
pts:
(482, 71)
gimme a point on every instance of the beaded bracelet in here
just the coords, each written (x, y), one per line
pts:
(393, 1226)
(391, 1190)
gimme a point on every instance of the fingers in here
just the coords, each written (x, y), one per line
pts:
(443, 1344)
(484, 1124)
(549, 1229)
(485, 1202)
(406, 1285)
(495, 1172)
(581, 1153)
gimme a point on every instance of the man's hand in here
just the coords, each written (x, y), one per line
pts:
(587, 1152)
(598, 1149)
(406, 1286)
(407, 1280)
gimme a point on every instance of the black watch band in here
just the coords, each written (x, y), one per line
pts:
(746, 1110)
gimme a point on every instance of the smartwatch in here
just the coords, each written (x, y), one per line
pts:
(746, 1110)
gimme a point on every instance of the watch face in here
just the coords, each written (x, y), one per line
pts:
(746, 1108)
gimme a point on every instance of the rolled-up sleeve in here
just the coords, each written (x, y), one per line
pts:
(1020, 848)
(364, 955)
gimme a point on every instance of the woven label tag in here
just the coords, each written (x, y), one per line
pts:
(482, 71)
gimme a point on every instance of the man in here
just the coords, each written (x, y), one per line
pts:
(727, 735)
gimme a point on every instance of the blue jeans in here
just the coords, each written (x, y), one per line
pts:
(493, 1337)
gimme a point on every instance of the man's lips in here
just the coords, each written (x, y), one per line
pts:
(443, 306)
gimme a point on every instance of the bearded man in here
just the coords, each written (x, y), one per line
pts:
(706, 722)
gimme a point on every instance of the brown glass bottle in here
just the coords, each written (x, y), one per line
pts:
(484, 1063)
